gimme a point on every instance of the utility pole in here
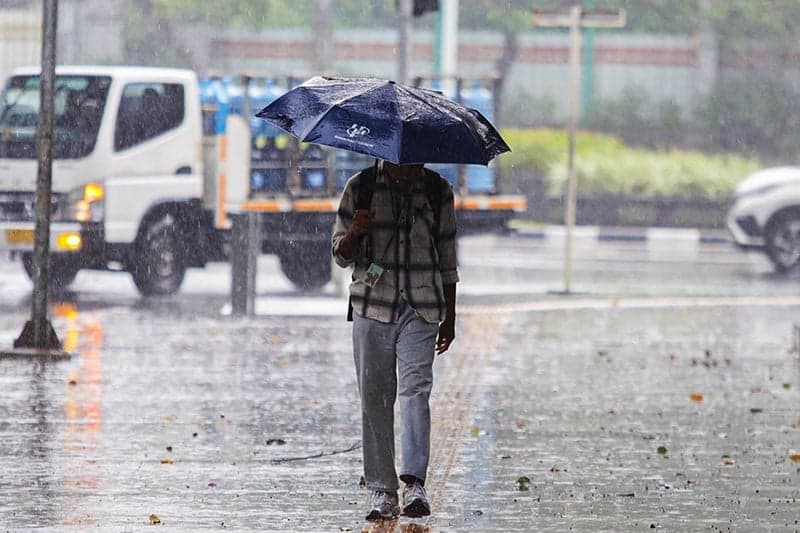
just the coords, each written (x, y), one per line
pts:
(404, 44)
(38, 334)
(321, 37)
(575, 19)
(446, 57)
(707, 51)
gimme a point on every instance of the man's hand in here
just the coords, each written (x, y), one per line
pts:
(447, 329)
(362, 220)
(447, 332)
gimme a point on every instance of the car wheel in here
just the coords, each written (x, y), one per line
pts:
(158, 264)
(783, 241)
(307, 265)
(63, 271)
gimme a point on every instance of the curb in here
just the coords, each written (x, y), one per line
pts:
(628, 234)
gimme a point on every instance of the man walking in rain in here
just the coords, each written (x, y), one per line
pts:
(396, 224)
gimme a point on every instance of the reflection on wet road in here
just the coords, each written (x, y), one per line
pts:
(663, 396)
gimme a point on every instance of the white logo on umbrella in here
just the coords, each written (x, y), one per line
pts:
(357, 131)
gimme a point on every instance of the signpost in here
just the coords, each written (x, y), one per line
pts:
(575, 19)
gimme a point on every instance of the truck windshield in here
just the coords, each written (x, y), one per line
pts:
(79, 103)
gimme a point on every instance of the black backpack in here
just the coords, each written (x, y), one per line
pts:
(366, 188)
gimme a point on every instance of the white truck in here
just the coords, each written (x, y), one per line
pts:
(149, 169)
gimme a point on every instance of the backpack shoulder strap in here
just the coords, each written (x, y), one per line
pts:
(433, 190)
(366, 187)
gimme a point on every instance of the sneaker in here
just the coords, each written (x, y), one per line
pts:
(415, 501)
(384, 505)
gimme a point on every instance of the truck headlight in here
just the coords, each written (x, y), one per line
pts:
(86, 203)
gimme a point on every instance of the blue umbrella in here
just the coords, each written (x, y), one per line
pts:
(386, 120)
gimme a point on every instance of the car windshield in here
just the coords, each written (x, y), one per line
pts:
(79, 103)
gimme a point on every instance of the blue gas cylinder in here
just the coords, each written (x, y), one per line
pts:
(215, 103)
(480, 179)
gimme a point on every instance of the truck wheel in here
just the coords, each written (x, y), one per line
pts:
(308, 266)
(62, 271)
(158, 264)
(783, 241)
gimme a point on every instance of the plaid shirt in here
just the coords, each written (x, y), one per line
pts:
(402, 244)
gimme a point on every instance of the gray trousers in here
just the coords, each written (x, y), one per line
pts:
(383, 353)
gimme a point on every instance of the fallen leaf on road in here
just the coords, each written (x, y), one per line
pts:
(729, 461)
(794, 456)
(167, 461)
(756, 410)
(169, 449)
(278, 442)
(523, 483)
(787, 385)
(154, 519)
(696, 397)
(662, 450)
(212, 485)
(73, 382)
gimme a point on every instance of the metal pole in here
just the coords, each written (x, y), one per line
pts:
(574, 111)
(38, 332)
(588, 66)
(404, 40)
(253, 240)
(449, 44)
(322, 36)
(437, 44)
(239, 285)
(246, 241)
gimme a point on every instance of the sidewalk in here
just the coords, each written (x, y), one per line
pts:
(615, 420)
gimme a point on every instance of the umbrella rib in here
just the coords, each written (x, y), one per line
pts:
(443, 108)
(429, 104)
(332, 105)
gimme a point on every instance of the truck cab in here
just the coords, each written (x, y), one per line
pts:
(127, 152)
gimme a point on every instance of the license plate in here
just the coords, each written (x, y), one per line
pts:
(19, 236)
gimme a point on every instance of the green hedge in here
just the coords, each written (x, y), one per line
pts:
(605, 165)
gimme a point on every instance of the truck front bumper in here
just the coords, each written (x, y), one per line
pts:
(65, 237)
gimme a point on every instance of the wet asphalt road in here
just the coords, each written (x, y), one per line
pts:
(663, 394)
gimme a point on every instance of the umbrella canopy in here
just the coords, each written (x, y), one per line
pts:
(386, 120)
